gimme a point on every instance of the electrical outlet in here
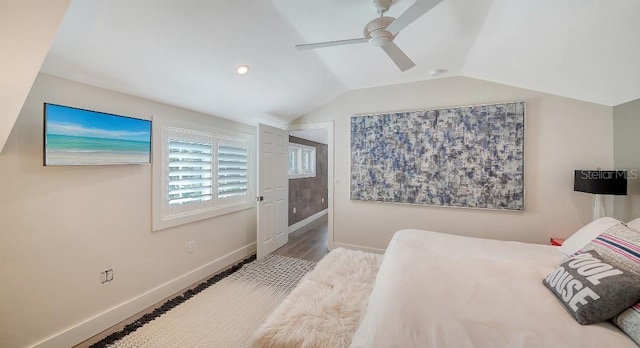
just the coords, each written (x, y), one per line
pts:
(294, 210)
(191, 246)
(322, 200)
(106, 276)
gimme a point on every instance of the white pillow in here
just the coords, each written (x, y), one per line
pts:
(586, 234)
(635, 224)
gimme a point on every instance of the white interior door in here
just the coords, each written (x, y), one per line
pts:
(273, 189)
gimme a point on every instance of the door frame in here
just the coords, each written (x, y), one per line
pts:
(329, 126)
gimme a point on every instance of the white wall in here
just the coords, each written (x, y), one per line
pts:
(561, 135)
(27, 29)
(61, 226)
(626, 136)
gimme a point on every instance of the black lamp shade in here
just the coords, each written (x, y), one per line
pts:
(602, 182)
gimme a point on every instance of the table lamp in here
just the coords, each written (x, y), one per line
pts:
(600, 182)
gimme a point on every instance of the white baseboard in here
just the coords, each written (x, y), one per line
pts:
(113, 316)
(358, 247)
(302, 223)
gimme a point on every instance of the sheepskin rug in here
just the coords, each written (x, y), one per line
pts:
(324, 310)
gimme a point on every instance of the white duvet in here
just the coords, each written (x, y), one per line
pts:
(440, 290)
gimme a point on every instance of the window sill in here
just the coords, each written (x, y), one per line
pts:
(302, 176)
(193, 216)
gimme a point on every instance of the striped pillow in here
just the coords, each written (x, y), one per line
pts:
(629, 322)
(618, 245)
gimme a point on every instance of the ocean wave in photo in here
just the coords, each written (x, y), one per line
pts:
(73, 150)
(68, 143)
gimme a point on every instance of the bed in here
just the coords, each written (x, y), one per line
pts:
(440, 290)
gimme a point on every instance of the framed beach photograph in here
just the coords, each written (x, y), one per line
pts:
(75, 137)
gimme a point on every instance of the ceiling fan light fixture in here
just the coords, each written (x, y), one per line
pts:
(380, 38)
(242, 69)
(376, 32)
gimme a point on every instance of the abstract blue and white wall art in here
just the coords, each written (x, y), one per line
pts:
(457, 157)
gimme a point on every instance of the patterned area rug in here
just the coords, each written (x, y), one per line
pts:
(226, 313)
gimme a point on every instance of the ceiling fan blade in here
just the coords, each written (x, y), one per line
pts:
(330, 43)
(414, 12)
(397, 56)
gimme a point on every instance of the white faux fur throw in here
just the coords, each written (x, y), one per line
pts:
(324, 310)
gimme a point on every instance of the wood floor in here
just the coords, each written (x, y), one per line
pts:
(309, 243)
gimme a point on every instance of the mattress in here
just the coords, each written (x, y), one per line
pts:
(441, 290)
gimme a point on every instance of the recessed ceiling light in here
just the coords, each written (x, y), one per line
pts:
(243, 69)
(437, 72)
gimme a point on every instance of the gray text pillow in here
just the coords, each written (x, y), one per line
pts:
(593, 290)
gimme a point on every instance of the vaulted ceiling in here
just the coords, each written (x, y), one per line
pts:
(185, 52)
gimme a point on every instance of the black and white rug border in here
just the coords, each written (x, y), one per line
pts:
(170, 304)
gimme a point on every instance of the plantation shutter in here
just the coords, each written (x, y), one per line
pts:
(232, 171)
(190, 172)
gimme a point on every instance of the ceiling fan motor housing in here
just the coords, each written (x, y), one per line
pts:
(376, 31)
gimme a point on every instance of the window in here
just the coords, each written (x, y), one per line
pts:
(202, 175)
(294, 159)
(309, 162)
(302, 161)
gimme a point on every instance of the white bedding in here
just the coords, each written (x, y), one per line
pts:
(440, 290)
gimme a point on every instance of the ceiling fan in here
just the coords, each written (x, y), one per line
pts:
(381, 31)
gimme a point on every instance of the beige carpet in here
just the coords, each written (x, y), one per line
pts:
(226, 313)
